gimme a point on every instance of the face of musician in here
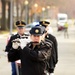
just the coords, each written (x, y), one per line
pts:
(21, 30)
(36, 38)
(37, 33)
(20, 27)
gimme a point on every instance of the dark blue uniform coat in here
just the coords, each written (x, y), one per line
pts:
(54, 56)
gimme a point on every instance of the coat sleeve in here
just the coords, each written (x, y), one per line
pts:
(40, 55)
(56, 49)
(30, 54)
(14, 54)
(9, 45)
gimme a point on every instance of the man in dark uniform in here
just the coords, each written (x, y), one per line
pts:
(20, 34)
(54, 56)
(34, 55)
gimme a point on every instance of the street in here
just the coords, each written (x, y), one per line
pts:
(66, 54)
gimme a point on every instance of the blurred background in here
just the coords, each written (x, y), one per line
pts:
(33, 10)
(57, 12)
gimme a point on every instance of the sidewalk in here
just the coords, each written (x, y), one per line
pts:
(5, 66)
(6, 33)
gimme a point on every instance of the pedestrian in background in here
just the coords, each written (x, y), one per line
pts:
(54, 54)
(66, 35)
(34, 55)
(20, 33)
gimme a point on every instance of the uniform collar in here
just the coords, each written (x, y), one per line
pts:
(19, 36)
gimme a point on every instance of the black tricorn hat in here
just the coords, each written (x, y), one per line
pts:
(20, 23)
(44, 23)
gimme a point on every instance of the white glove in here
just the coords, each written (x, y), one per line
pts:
(23, 42)
(15, 43)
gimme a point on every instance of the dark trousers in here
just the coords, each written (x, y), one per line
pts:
(13, 66)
